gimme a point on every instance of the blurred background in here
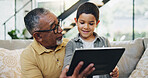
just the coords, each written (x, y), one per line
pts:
(120, 20)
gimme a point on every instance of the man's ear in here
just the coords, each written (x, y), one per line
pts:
(97, 23)
(37, 36)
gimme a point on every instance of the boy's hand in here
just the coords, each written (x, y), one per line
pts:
(115, 73)
(88, 70)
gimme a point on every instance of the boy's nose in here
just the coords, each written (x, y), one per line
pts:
(86, 26)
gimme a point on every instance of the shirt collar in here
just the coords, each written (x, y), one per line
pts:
(41, 49)
(77, 38)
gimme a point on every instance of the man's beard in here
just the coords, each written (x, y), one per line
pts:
(59, 42)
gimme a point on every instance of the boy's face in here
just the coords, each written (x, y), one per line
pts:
(86, 24)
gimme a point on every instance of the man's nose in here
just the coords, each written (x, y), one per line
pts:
(60, 30)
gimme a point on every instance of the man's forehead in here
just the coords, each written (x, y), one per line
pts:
(52, 20)
(49, 18)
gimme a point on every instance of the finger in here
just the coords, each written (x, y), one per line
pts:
(116, 72)
(116, 75)
(89, 69)
(111, 74)
(67, 67)
(115, 69)
(77, 69)
(63, 74)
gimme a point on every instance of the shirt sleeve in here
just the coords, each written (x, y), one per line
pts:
(108, 43)
(29, 68)
(68, 53)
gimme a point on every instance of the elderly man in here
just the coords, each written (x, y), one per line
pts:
(44, 57)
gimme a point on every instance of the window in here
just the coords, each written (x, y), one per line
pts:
(117, 20)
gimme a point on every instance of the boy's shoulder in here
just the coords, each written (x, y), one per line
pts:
(102, 38)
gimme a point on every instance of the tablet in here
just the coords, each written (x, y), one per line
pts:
(105, 59)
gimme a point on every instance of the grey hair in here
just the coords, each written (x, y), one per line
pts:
(32, 19)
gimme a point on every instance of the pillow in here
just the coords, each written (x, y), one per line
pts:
(133, 52)
(141, 70)
(146, 42)
(10, 63)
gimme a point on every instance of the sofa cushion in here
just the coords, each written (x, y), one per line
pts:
(10, 63)
(146, 42)
(14, 44)
(133, 51)
(141, 70)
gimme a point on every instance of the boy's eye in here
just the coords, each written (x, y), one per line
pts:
(81, 22)
(91, 23)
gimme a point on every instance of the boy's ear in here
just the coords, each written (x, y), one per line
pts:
(75, 20)
(37, 36)
(98, 23)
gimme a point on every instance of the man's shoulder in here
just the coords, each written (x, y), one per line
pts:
(65, 40)
(28, 50)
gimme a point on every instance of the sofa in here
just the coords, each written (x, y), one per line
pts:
(133, 63)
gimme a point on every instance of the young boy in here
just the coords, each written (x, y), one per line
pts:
(87, 19)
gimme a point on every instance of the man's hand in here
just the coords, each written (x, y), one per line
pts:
(115, 73)
(89, 69)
